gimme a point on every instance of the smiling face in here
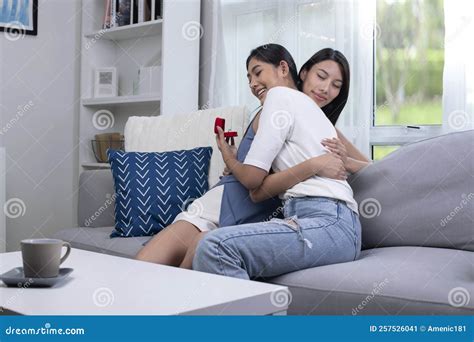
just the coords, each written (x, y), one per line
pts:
(263, 76)
(322, 82)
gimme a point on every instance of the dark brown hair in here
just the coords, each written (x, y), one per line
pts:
(333, 109)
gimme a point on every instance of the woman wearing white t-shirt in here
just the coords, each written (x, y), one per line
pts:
(321, 224)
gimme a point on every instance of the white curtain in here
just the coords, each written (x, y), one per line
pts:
(458, 76)
(233, 27)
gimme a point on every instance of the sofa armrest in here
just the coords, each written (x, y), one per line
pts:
(96, 199)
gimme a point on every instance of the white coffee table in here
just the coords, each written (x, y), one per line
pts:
(107, 285)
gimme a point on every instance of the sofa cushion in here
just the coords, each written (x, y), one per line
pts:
(181, 132)
(96, 199)
(387, 281)
(152, 188)
(98, 240)
(420, 195)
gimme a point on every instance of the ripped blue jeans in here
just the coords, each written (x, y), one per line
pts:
(316, 231)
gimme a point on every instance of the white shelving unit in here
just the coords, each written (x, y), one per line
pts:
(140, 30)
(121, 100)
(160, 42)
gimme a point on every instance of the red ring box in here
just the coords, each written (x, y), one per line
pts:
(220, 122)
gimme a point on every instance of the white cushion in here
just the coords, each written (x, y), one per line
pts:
(186, 131)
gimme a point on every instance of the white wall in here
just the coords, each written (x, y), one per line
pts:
(39, 93)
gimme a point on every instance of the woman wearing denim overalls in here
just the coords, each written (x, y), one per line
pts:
(228, 203)
(321, 224)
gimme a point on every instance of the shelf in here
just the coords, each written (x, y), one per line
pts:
(140, 30)
(96, 166)
(121, 100)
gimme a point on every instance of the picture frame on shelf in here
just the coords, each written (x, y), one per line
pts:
(19, 18)
(105, 82)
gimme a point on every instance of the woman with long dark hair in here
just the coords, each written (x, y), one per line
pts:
(321, 224)
(228, 203)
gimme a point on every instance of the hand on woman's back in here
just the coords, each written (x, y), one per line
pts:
(332, 167)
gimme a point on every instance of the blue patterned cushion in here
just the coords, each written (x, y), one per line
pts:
(152, 188)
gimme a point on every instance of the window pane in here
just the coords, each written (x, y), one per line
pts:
(379, 152)
(409, 62)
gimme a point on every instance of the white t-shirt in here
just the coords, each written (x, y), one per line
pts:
(290, 131)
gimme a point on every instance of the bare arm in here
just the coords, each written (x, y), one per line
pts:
(352, 151)
(353, 159)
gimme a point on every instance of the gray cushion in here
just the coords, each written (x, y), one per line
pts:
(96, 199)
(387, 281)
(98, 240)
(420, 195)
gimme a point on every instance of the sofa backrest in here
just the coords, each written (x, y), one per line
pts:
(420, 195)
(179, 132)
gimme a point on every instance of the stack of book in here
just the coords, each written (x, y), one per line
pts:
(128, 12)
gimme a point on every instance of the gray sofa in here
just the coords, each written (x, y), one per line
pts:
(416, 209)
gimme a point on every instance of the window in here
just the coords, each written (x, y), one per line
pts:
(409, 61)
(379, 152)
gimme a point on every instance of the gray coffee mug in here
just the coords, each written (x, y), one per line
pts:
(42, 257)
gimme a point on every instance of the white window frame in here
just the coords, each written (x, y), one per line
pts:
(392, 135)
